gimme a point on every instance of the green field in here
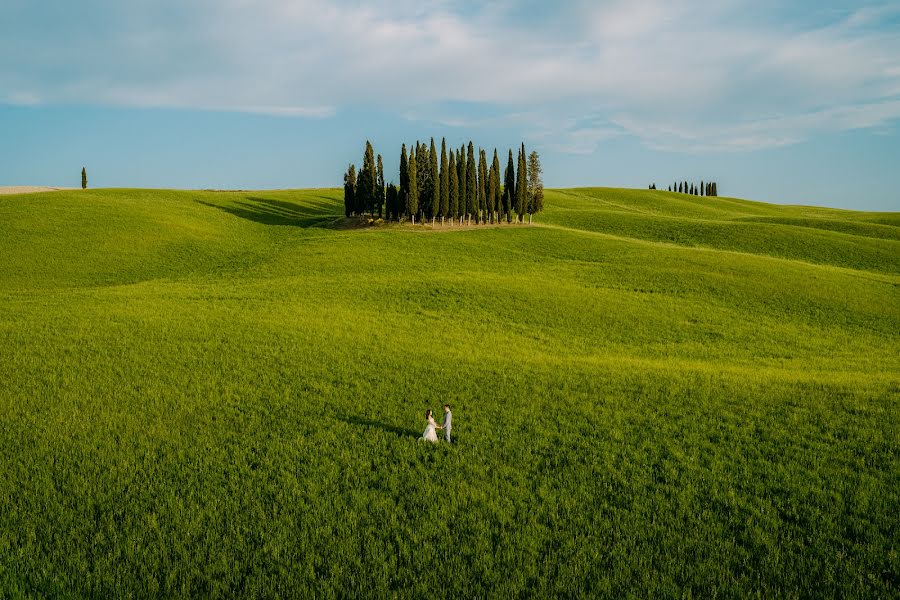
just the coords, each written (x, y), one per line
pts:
(218, 394)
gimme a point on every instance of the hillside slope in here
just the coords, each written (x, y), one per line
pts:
(219, 393)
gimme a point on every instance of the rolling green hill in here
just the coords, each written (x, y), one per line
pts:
(220, 393)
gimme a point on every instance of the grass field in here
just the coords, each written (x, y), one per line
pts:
(217, 394)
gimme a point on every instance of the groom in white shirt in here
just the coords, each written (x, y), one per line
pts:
(448, 422)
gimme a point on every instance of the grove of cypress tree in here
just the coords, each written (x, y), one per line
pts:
(445, 182)
(522, 185)
(509, 188)
(83, 178)
(403, 192)
(412, 198)
(452, 188)
(379, 188)
(350, 190)
(471, 184)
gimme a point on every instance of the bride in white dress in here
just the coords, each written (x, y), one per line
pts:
(431, 426)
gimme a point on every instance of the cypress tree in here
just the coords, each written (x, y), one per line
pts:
(715, 189)
(521, 186)
(461, 181)
(435, 195)
(379, 189)
(412, 198)
(452, 188)
(701, 187)
(423, 175)
(365, 183)
(391, 201)
(509, 188)
(445, 181)
(536, 185)
(495, 188)
(471, 184)
(482, 186)
(349, 190)
(83, 178)
(403, 192)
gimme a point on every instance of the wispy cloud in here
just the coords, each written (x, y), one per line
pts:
(679, 74)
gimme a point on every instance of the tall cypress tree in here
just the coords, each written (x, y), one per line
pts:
(83, 178)
(495, 185)
(702, 189)
(403, 192)
(461, 168)
(423, 174)
(471, 183)
(379, 188)
(435, 195)
(482, 186)
(350, 191)
(365, 183)
(445, 182)
(452, 188)
(536, 185)
(412, 198)
(390, 199)
(522, 185)
(509, 188)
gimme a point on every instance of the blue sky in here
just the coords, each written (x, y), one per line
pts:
(796, 103)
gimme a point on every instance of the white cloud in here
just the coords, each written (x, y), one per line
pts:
(735, 75)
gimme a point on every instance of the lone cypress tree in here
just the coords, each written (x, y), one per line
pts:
(471, 184)
(445, 181)
(403, 192)
(412, 198)
(83, 178)
(349, 190)
(482, 186)
(453, 188)
(522, 185)
(495, 185)
(536, 185)
(379, 189)
(509, 188)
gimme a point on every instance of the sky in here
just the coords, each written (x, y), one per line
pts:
(794, 102)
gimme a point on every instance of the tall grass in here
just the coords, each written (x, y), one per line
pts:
(219, 394)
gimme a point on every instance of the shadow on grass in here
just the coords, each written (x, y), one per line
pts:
(278, 212)
(369, 423)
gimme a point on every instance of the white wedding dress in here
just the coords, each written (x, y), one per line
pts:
(430, 434)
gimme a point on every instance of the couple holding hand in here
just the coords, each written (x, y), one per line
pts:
(431, 426)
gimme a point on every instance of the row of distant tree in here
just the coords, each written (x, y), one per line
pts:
(683, 187)
(456, 186)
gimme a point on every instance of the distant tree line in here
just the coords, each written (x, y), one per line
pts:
(455, 186)
(683, 187)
